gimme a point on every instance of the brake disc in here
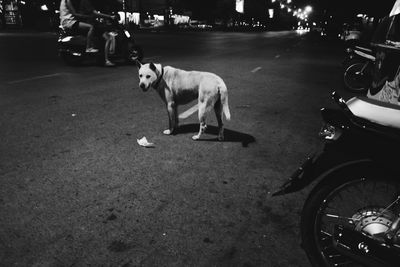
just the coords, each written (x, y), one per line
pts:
(373, 221)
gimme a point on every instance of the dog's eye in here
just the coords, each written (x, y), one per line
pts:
(141, 75)
(147, 76)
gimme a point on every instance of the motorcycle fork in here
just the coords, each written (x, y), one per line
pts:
(393, 234)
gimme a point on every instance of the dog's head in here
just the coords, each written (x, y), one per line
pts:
(148, 75)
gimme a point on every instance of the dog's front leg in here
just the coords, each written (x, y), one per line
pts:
(202, 119)
(172, 118)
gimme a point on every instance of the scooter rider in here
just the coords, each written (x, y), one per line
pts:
(72, 20)
(87, 8)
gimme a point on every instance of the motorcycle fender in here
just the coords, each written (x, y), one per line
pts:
(128, 35)
(132, 40)
(348, 59)
(315, 167)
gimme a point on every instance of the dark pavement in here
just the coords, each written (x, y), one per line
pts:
(77, 190)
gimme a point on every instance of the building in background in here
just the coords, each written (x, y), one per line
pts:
(2, 22)
(228, 14)
(241, 14)
(11, 14)
(29, 14)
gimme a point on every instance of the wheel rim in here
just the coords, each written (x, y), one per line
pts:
(348, 201)
(357, 79)
(134, 54)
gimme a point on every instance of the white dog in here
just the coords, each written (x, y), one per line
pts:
(179, 87)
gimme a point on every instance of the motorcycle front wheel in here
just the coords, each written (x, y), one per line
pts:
(348, 62)
(348, 198)
(357, 77)
(133, 53)
(71, 60)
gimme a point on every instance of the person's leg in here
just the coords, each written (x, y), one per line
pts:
(89, 29)
(107, 37)
(107, 44)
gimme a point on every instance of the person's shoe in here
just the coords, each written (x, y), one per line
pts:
(92, 50)
(109, 64)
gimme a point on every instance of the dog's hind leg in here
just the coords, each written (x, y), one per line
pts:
(218, 114)
(202, 119)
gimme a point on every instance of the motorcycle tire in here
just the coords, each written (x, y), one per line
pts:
(357, 78)
(134, 53)
(71, 60)
(99, 58)
(348, 184)
(350, 61)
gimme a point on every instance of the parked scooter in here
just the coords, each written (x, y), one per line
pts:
(358, 69)
(71, 47)
(352, 215)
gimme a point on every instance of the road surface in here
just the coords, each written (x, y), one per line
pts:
(77, 190)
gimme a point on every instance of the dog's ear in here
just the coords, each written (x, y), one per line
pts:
(138, 64)
(153, 67)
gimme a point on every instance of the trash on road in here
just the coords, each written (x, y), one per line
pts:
(143, 142)
(256, 69)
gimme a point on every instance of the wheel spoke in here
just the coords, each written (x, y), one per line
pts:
(343, 263)
(336, 216)
(344, 205)
(326, 233)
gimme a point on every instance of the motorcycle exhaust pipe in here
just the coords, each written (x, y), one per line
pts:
(363, 249)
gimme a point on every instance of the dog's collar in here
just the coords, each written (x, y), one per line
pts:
(159, 78)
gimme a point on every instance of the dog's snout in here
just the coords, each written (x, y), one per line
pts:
(142, 85)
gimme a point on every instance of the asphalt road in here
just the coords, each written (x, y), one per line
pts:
(77, 190)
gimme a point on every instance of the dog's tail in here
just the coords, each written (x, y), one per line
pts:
(224, 101)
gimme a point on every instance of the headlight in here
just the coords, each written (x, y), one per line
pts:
(329, 132)
(66, 39)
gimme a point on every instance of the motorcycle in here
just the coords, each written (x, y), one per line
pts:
(358, 69)
(351, 217)
(72, 47)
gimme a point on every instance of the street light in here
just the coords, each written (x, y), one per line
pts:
(124, 9)
(308, 9)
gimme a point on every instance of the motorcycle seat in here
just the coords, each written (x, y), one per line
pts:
(376, 111)
(364, 55)
(364, 49)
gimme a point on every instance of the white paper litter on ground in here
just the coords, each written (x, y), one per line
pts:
(143, 142)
